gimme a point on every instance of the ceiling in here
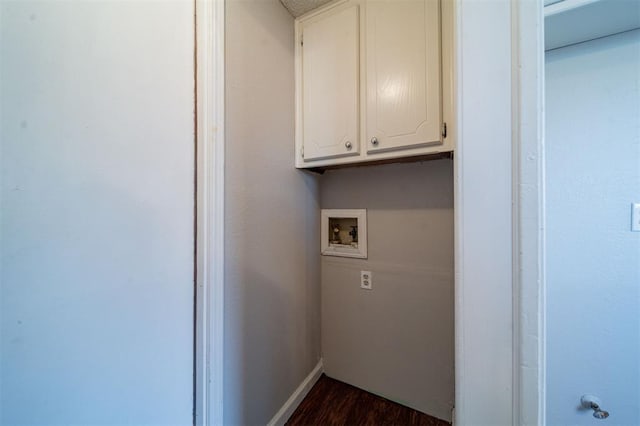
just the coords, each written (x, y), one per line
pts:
(300, 7)
(575, 21)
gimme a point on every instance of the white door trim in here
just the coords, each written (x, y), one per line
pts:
(210, 102)
(528, 194)
(499, 206)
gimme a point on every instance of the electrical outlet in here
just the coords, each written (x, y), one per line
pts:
(635, 217)
(366, 280)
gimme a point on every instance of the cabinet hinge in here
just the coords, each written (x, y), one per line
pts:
(444, 130)
(302, 152)
(301, 40)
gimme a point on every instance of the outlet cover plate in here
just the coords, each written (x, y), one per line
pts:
(366, 280)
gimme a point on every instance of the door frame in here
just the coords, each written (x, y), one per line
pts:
(499, 212)
(507, 166)
(209, 93)
(529, 212)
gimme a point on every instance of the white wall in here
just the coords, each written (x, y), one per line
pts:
(395, 340)
(483, 212)
(272, 291)
(593, 259)
(96, 139)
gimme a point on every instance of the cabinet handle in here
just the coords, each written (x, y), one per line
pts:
(347, 144)
(374, 141)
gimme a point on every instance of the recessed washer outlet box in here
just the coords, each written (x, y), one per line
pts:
(344, 233)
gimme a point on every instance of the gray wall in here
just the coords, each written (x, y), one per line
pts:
(396, 340)
(272, 301)
(96, 230)
(593, 258)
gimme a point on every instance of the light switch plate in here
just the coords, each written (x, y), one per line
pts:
(635, 217)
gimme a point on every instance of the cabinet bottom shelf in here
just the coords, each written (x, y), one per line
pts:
(414, 159)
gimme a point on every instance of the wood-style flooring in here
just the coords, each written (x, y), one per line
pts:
(332, 403)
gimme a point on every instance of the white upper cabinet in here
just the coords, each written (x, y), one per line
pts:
(403, 74)
(329, 53)
(370, 80)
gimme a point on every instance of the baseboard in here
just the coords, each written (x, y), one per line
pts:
(297, 396)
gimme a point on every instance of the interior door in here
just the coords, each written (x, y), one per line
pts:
(592, 246)
(96, 223)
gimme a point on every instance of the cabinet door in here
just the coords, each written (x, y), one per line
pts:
(330, 83)
(403, 74)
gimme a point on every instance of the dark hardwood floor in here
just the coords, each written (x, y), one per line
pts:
(331, 402)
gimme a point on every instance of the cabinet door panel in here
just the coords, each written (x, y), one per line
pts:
(330, 84)
(403, 74)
